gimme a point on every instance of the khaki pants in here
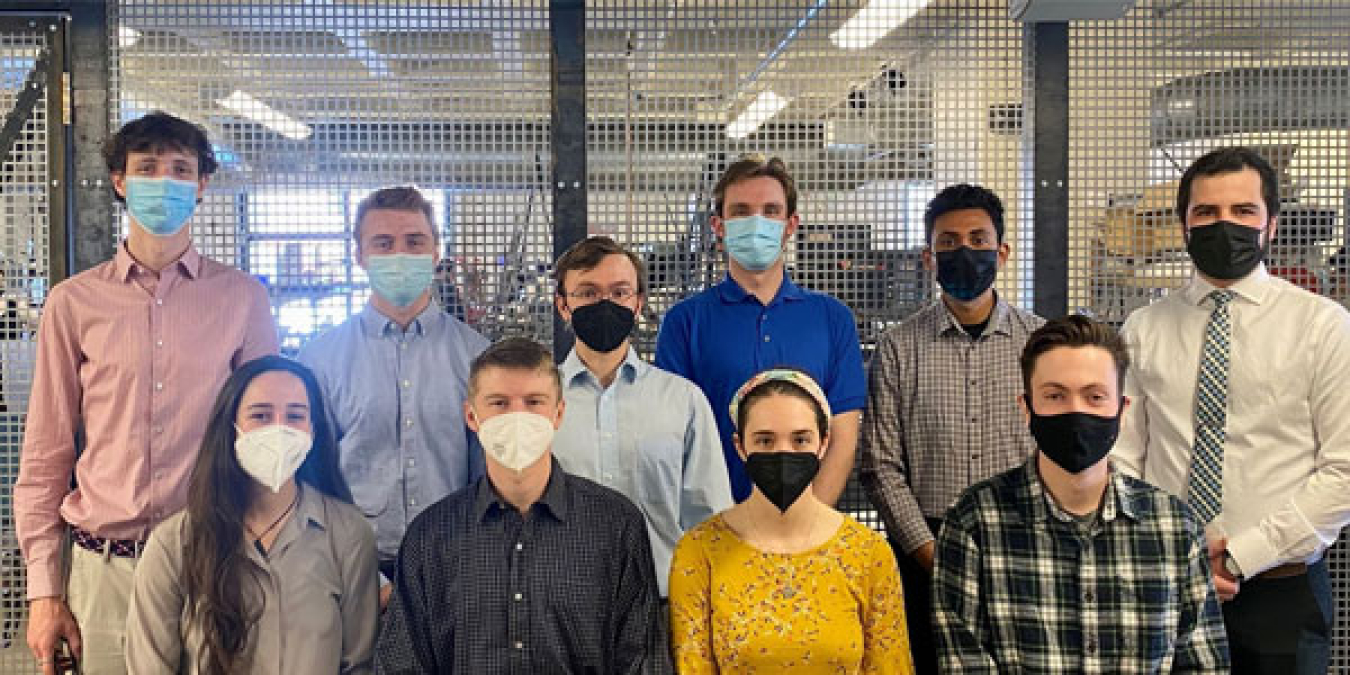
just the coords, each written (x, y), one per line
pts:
(98, 592)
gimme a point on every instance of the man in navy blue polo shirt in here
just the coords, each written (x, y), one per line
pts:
(757, 318)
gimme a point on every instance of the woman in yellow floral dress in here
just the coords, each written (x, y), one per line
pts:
(783, 583)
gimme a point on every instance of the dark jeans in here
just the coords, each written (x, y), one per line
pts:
(1282, 626)
(919, 608)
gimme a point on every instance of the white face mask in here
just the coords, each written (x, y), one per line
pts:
(516, 440)
(272, 454)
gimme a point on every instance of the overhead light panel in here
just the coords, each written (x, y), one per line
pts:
(127, 36)
(246, 106)
(874, 21)
(766, 105)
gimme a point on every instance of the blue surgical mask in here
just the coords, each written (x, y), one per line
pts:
(161, 205)
(400, 278)
(754, 242)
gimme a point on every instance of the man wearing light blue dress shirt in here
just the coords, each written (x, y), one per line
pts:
(628, 425)
(396, 375)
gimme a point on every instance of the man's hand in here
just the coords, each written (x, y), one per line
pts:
(924, 555)
(1225, 584)
(50, 622)
(386, 590)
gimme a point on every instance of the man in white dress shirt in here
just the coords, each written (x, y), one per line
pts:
(1237, 382)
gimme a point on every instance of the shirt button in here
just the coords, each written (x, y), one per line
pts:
(1091, 646)
(412, 462)
(520, 645)
(520, 546)
(766, 338)
(157, 429)
(974, 420)
(159, 301)
(408, 422)
(519, 597)
(412, 502)
(1087, 596)
(972, 382)
(402, 345)
(609, 476)
(159, 343)
(159, 386)
(407, 383)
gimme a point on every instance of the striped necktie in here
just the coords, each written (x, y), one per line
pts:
(1204, 491)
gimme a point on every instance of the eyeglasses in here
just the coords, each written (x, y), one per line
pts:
(591, 294)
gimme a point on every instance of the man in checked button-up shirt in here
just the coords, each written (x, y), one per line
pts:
(1065, 565)
(132, 354)
(396, 375)
(529, 570)
(941, 409)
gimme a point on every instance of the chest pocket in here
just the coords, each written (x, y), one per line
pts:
(659, 473)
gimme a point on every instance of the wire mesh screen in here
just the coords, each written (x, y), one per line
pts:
(1152, 92)
(26, 59)
(313, 105)
(873, 112)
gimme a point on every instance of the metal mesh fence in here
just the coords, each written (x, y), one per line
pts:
(313, 105)
(1151, 92)
(871, 122)
(27, 57)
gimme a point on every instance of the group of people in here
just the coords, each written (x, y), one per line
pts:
(405, 497)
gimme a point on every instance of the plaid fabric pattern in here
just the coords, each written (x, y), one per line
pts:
(941, 414)
(1204, 490)
(1019, 586)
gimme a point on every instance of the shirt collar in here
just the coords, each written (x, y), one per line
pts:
(1120, 498)
(1254, 287)
(732, 293)
(999, 319)
(310, 507)
(190, 262)
(377, 325)
(574, 370)
(554, 500)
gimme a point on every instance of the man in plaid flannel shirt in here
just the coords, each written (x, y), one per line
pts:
(1064, 565)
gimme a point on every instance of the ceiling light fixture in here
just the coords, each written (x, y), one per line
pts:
(874, 21)
(127, 36)
(247, 106)
(766, 105)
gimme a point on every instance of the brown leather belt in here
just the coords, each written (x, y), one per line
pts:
(1289, 570)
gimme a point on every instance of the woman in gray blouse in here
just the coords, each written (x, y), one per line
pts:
(269, 569)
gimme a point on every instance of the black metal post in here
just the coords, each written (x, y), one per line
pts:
(1050, 166)
(567, 38)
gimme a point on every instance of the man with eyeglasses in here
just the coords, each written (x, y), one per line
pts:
(640, 430)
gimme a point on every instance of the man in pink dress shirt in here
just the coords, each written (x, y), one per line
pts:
(131, 355)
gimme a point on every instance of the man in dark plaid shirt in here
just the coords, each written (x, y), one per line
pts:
(1064, 565)
(528, 570)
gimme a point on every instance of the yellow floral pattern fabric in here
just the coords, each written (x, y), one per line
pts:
(835, 609)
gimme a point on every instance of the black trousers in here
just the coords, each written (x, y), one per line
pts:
(1282, 626)
(919, 608)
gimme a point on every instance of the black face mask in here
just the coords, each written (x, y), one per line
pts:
(1074, 441)
(966, 272)
(1225, 250)
(782, 476)
(603, 325)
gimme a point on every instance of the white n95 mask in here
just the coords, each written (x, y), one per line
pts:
(272, 454)
(516, 440)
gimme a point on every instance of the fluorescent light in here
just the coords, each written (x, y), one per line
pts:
(127, 36)
(266, 115)
(874, 21)
(766, 105)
